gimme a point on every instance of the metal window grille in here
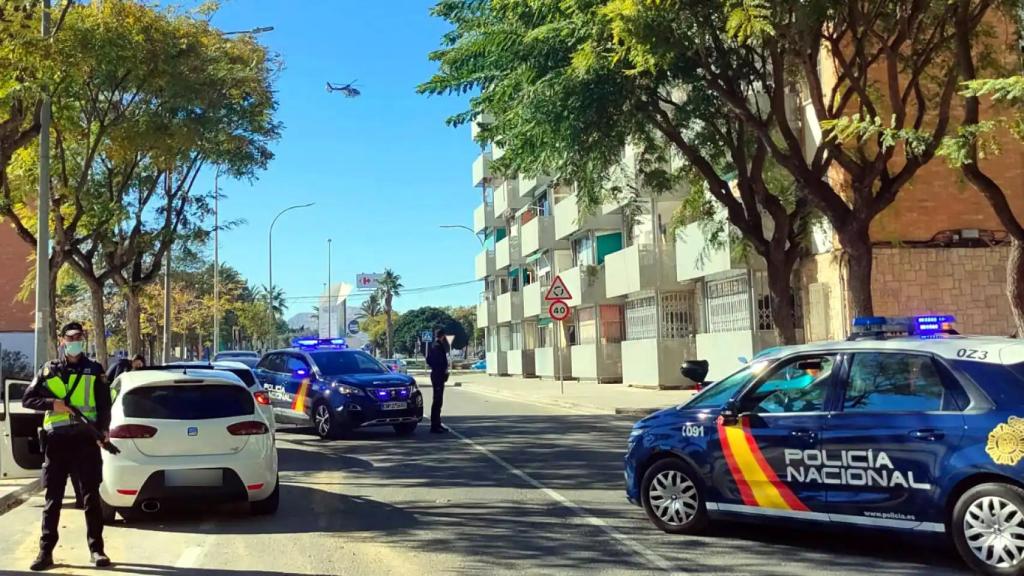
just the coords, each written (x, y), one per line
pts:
(728, 304)
(678, 315)
(642, 318)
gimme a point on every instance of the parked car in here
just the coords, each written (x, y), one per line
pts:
(184, 439)
(396, 365)
(247, 357)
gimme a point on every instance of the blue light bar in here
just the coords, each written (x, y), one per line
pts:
(928, 325)
(305, 342)
(315, 343)
(869, 321)
(931, 324)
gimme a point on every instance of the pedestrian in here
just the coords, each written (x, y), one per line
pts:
(138, 362)
(437, 359)
(80, 382)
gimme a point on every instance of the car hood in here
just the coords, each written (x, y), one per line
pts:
(373, 380)
(674, 415)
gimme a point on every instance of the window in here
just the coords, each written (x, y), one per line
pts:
(583, 251)
(337, 363)
(294, 364)
(586, 326)
(517, 336)
(612, 324)
(188, 402)
(798, 385)
(642, 318)
(529, 335)
(544, 336)
(717, 394)
(273, 363)
(888, 382)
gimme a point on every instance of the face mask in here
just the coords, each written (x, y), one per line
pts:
(74, 348)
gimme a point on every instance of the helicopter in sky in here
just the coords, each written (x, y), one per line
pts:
(348, 90)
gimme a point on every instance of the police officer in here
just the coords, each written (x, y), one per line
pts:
(437, 360)
(70, 448)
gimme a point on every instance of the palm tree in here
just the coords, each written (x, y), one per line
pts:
(371, 308)
(276, 299)
(390, 286)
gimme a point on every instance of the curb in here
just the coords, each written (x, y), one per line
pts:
(19, 496)
(638, 412)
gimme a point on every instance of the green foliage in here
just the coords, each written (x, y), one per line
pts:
(865, 129)
(749, 20)
(409, 326)
(15, 365)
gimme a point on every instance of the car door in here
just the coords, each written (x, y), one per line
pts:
(269, 373)
(898, 420)
(20, 456)
(778, 419)
(297, 381)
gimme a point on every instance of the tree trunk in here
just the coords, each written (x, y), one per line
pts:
(860, 260)
(780, 285)
(51, 332)
(1015, 284)
(388, 348)
(99, 323)
(133, 322)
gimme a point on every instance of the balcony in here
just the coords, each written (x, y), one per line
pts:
(533, 300)
(483, 217)
(568, 220)
(548, 365)
(482, 169)
(474, 127)
(655, 361)
(695, 258)
(521, 363)
(637, 268)
(507, 253)
(585, 283)
(529, 184)
(486, 312)
(497, 363)
(484, 264)
(510, 307)
(506, 197)
(598, 362)
(537, 234)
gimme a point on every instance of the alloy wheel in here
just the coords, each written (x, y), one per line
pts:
(323, 420)
(994, 529)
(673, 497)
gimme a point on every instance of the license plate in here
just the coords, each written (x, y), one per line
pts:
(393, 406)
(194, 477)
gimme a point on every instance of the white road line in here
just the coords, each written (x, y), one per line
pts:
(550, 405)
(636, 547)
(190, 557)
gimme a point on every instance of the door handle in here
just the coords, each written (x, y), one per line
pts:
(808, 435)
(927, 434)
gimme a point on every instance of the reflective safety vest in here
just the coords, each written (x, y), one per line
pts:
(83, 396)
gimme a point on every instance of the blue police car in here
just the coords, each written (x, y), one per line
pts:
(338, 389)
(905, 426)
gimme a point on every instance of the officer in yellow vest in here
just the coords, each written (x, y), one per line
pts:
(70, 448)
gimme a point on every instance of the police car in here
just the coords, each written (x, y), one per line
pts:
(338, 389)
(905, 426)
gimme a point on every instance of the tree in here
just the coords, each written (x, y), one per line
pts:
(879, 75)
(564, 99)
(466, 315)
(371, 307)
(375, 328)
(412, 323)
(390, 288)
(976, 139)
(15, 365)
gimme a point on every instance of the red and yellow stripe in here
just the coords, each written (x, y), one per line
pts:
(757, 482)
(299, 403)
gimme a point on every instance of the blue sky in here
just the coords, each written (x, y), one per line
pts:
(383, 169)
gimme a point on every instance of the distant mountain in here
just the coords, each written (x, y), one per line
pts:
(303, 320)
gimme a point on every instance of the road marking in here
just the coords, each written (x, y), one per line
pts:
(190, 557)
(550, 405)
(589, 518)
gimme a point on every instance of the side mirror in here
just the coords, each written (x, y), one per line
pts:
(696, 370)
(729, 414)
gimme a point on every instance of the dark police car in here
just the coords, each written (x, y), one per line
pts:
(338, 389)
(922, 432)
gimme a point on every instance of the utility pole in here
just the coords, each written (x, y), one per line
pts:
(330, 303)
(42, 334)
(270, 267)
(166, 353)
(216, 265)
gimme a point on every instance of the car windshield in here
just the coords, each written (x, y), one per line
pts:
(341, 363)
(204, 402)
(716, 395)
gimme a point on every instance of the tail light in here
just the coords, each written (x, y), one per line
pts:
(262, 398)
(250, 428)
(133, 431)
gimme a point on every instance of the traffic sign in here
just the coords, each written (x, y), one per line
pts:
(368, 281)
(558, 291)
(426, 336)
(558, 310)
(353, 326)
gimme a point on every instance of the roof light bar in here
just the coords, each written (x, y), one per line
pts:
(319, 343)
(924, 326)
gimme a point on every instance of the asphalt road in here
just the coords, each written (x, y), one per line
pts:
(516, 488)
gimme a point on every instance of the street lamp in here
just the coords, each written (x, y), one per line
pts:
(471, 231)
(270, 266)
(42, 333)
(258, 30)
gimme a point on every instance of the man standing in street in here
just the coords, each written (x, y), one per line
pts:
(437, 359)
(80, 382)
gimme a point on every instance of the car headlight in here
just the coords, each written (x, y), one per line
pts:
(348, 390)
(635, 433)
(413, 388)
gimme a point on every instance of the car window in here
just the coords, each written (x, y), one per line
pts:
(893, 382)
(294, 364)
(273, 363)
(188, 402)
(717, 394)
(797, 385)
(337, 363)
(244, 375)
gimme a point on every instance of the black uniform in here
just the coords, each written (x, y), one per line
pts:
(71, 450)
(437, 359)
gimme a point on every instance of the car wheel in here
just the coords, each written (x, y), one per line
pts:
(405, 428)
(988, 528)
(109, 512)
(326, 424)
(673, 498)
(268, 505)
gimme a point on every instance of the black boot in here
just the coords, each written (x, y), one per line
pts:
(44, 561)
(439, 429)
(100, 560)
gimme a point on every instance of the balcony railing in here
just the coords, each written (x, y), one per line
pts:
(510, 307)
(585, 283)
(533, 300)
(638, 267)
(507, 253)
(481, 169)
(483, 217)
(484, 265)
(506, 197)
(537, 234)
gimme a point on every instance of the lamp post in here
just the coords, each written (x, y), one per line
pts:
(42, 333)
(471, 231)
(270, 266)
(330, 303)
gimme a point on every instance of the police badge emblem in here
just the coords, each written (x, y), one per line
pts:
(1006, 442)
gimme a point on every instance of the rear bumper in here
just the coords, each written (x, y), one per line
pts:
(130, 478)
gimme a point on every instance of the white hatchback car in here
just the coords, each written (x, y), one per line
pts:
(187, 438)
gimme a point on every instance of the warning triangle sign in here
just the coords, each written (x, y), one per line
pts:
(558, 291)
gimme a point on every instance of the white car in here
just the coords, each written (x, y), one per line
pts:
(235, 369)
(187, 438)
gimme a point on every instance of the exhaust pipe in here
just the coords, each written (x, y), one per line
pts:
(150, 506)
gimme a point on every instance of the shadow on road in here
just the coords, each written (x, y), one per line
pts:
(151, 570)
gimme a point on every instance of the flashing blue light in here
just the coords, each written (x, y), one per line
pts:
(869, 321)
(928, 325)
(305, 342)
(314, 343)
(337, 341)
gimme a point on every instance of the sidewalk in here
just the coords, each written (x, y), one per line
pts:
(13, 492)
(584, 396)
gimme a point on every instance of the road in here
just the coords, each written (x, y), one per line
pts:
(517, 488)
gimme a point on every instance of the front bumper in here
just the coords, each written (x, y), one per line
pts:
(631, 467)
(367, 413)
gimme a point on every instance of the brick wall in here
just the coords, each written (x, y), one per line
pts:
(14, 265)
